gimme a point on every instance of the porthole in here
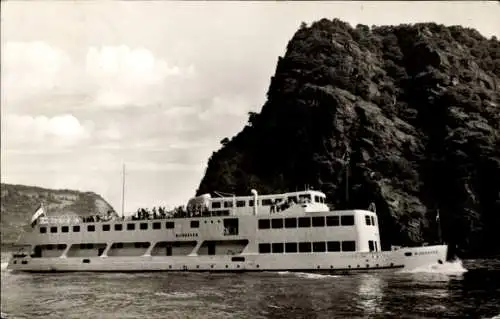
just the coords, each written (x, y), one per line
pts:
(258, 266)
(331, 267)
(227, 266)
(367, 266)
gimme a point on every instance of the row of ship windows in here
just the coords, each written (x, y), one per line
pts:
(292, 222)
(307, 247)
(302, 222)
(117, 227)
(266, 202)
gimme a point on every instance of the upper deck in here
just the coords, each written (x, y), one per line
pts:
(292, 203)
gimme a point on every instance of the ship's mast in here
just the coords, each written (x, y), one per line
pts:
(123, 190)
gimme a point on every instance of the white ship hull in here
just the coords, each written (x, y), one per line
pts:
(313, 262)
(232, 235)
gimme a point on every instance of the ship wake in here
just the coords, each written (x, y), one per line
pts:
(454, 267)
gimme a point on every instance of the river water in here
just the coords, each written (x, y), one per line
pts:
(469, 289)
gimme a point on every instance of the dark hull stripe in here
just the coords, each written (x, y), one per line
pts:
(316, 271)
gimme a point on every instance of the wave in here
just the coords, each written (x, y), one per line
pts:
(178, 295)
(305, 275)
(313, 276)
(449, 268)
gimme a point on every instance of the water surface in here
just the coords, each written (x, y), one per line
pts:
(439, 291)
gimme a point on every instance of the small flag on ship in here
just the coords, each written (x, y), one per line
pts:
(39, 213)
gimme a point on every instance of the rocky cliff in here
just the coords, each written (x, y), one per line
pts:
(19, 203)
(407, 117)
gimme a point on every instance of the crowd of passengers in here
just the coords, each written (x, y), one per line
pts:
(146, 214)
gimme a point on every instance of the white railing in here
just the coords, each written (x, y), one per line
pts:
(60, 220)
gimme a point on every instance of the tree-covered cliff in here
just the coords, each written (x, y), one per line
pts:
(18, 203)
(417, 107)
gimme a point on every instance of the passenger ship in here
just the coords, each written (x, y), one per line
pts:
(293, 231)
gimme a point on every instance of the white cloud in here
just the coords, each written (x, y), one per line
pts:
(42, 131)
(32, 67)
(126, 76)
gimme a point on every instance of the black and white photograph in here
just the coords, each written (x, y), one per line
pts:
(250, 159)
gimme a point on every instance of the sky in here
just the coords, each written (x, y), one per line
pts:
(89, 86)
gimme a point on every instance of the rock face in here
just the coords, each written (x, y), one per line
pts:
(415, 107)
(19, 203)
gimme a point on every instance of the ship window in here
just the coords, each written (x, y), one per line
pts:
(373, 220)
(143, 226)
(90, 228)
(90, 246)
(230, 226)
(65, 229)
(277, 223)
(195, 224)
(304, 222)
(291, 247)
(264, 248)
(318, 221)
(292, 199)
(349, 245)
(305, 247)
(332, 221)
(76, 229)
(371, 246)
(216, 205)
(49, 247)
(130, 226)
(376, 246)
(53, 229)
(106, 227)
(240, 259)
(240, 203)
(367, 220)
(250, 203)
(290, 222)
(319, 247)
(43, 230)
(267, 202)
(347, 220)
(306, 197)
(61, 247)
(317, 199)
(138, 245)
(118, 227)
(117, 245)
(277, 248)
(83, 246)
(170, 225)
(157, 225)
(228, 204)
(264, 224)
(333, 246)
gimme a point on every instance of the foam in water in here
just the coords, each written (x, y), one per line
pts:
(451, 268)
(312, 276)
